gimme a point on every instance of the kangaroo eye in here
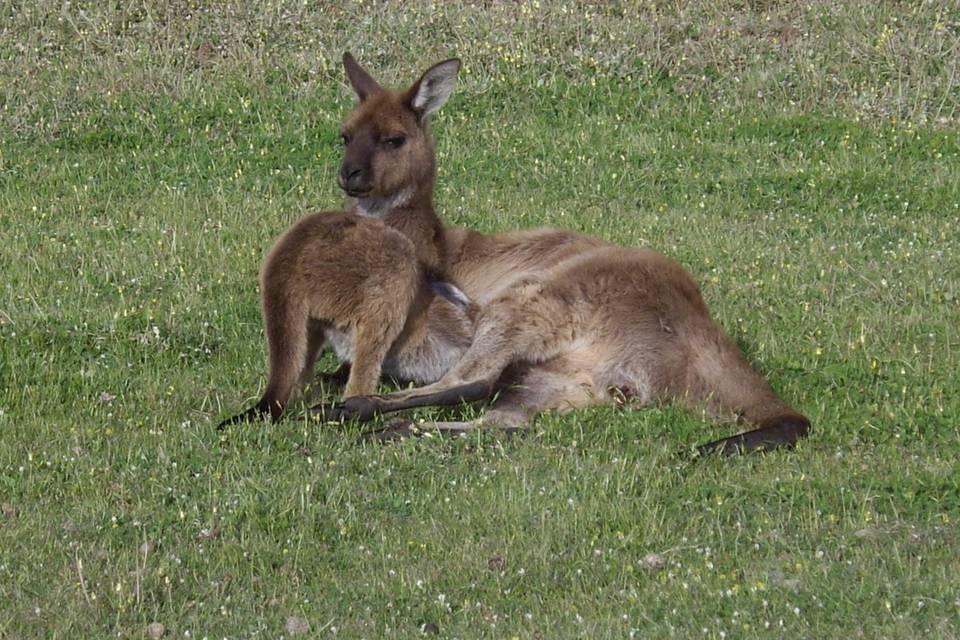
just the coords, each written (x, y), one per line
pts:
(395, 142)
(345, 138)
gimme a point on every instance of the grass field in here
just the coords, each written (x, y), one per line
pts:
(803, 161)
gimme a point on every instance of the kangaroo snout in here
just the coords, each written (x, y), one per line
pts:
(354, 180)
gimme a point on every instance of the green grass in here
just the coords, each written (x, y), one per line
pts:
(151, 155)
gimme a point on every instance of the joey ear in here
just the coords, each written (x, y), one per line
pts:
(431, 91)
(361, 81)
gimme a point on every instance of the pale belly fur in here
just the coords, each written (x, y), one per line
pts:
(424, 364)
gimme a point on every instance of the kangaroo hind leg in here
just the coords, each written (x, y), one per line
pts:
(532, 390)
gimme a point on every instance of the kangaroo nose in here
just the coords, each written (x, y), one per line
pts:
(352, 179)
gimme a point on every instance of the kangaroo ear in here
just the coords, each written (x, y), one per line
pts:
(431, 91)
(361, 81)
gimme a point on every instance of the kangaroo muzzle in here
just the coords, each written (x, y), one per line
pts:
(354, 180)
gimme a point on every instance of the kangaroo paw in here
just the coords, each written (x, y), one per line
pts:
(362, 408)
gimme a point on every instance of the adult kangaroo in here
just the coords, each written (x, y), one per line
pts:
(565, 320)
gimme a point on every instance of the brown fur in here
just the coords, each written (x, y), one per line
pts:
(566, 320)
(352, 281)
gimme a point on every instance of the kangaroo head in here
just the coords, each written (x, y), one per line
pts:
(388, 153)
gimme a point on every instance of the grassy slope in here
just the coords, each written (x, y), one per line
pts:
(138, 197)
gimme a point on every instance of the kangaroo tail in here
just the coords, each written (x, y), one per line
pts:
(721, 380)
(285, 323)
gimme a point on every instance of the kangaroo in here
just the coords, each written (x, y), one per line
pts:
(565, 320)
(355, 283)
